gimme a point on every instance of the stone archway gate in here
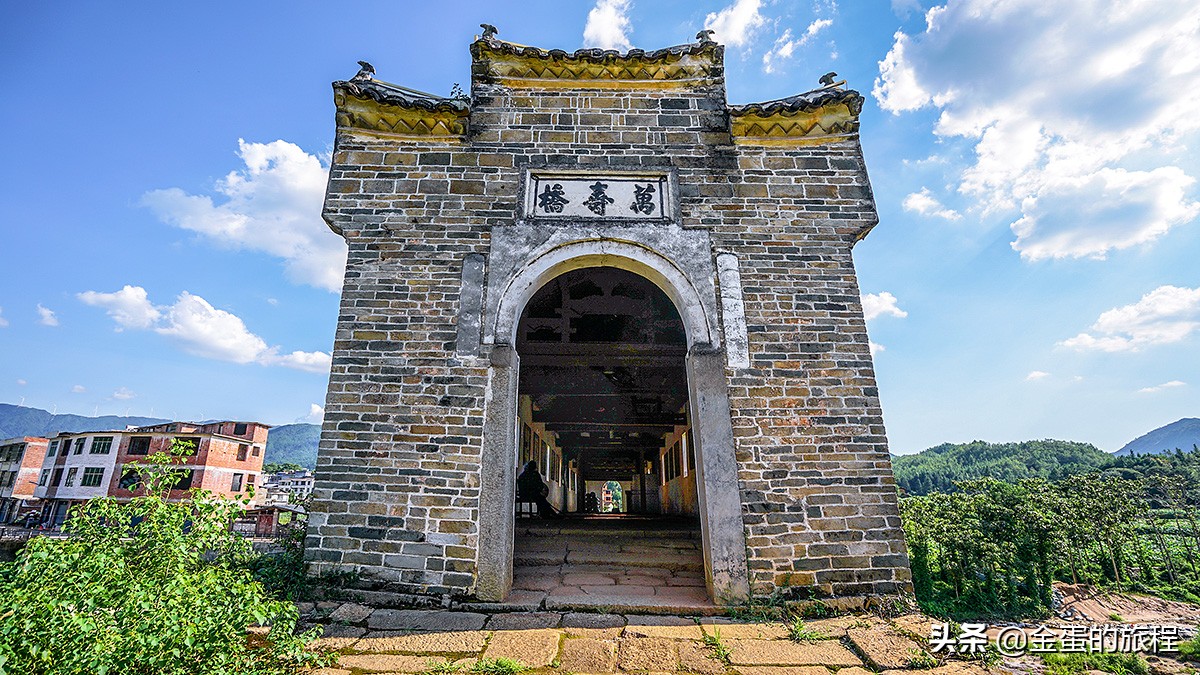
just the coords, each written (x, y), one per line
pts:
(457, 210)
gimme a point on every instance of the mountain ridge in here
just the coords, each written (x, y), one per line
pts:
(1182, 434)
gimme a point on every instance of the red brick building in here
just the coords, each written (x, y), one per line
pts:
(226, 459)
(20, 460)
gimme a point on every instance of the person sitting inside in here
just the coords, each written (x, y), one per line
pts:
(530, 488)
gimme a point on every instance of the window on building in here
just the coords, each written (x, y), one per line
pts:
(672, 462)
(243, 451)
(238, 478)
(239, 429)
(71, 476)
(192, 443)
(185, 482)
(45, 477)
(130, 480)
(250, 480)
(53, 449)
(255, 450)
(57, 479)
(92, 476)
(79, 445)
(139, 445)
(101, 445)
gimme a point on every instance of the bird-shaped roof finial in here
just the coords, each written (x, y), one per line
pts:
(365, 72)
(489, 31)
(827, 80)
(705, 36)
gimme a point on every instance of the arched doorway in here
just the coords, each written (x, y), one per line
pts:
(603, 395)
(705, 402)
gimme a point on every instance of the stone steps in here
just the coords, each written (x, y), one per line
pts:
(635, 566)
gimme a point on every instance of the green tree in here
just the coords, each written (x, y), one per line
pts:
(145, 586)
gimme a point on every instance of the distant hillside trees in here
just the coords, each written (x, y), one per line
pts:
(992, 548)
(939, 468)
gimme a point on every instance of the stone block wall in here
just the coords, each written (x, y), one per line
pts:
(418, 186)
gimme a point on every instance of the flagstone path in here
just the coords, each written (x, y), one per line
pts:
(373, 641)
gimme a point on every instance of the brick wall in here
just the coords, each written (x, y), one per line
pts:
(397, 481)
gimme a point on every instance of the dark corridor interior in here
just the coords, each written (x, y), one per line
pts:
(604, 394)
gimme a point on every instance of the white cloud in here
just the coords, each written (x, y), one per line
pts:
(876, 348)
(272, 205)
(785, 46)
(1165, 315)
(78, 389)
(22, 383)
(903, 8)
(608, 25)
(123, 394)
(926, 204)
(881, 304)
(1066, 104)
(1035, 375)
(1110, 209)
(200, 329)
(46, 316)
(736, 24)
(129, 307)
(3, 321)
(316, 415)
(203, 330)
(1165, 385)
(313, 362)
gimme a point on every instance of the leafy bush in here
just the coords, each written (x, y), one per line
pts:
(145, 586)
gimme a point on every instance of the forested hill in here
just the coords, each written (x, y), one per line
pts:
(16, 420)
(936, 469)
(294, 444)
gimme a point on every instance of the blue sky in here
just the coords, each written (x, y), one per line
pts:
(1034, 273)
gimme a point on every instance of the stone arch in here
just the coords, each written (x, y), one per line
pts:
(700, 326)
(717, 485)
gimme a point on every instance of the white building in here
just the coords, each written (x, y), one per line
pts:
(280, 487)
(78, 466)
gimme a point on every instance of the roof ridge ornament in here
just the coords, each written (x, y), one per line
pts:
(366, 72)
(827, 81)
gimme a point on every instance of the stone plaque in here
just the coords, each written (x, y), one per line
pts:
(599, 196)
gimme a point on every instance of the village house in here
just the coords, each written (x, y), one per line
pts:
(226, 459)
(20, 462)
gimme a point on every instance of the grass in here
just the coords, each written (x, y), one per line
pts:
(717, 649)
(798, 632)
(1190, 649)
(1116, 617)
(920, 660)
(1059, 663)
(756, 612)
(500, 666)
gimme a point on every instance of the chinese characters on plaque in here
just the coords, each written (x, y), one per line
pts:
(592, 197)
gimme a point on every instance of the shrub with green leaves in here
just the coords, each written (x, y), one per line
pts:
(145, 586)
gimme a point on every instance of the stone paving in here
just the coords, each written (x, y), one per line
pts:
(419, 641)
